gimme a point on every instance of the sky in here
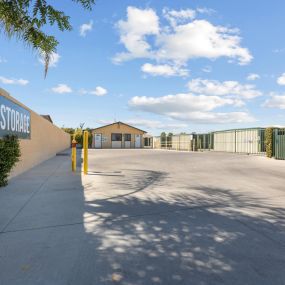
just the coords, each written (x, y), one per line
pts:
(174, 66)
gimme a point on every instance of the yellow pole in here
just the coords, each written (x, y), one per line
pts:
(73, 154)
(85, 153)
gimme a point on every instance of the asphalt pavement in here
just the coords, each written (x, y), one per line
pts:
(145, 217)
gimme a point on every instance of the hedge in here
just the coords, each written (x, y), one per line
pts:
(9, 156)
(269, 142)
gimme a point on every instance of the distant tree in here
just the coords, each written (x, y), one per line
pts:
(68, 130)
(79, 135)
(169, 139)
(89, 136)
(163, 138)
(27, 20)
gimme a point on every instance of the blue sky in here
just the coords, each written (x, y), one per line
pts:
(179, 66)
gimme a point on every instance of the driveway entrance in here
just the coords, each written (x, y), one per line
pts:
(145, 217)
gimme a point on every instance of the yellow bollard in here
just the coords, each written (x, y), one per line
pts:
(85, 152)
(73, 154)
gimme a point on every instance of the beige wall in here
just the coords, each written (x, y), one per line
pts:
(46, 140)
(121, 128)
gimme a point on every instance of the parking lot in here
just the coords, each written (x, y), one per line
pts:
(146, 217)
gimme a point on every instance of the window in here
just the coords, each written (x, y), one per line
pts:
(127, 137)
(117, 137)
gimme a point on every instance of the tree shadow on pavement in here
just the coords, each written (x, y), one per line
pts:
(136, 229)
(213, 237)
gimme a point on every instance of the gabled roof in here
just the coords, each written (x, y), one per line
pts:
(119, 123)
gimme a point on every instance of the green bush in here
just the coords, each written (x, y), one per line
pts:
(9, 156)
(269, 142)
(79, 137)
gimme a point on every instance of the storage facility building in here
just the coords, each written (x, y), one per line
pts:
(117, 135)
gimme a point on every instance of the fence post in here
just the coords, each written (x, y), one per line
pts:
(73, 154)
(85, 152)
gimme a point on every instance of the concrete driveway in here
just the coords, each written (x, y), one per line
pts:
(146, 217)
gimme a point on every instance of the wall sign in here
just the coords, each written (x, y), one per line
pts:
(14, 119)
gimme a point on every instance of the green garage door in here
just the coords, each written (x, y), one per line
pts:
(279, 137)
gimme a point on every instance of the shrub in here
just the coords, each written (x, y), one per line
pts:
(9, 156)
(269, 142)
(79, 137)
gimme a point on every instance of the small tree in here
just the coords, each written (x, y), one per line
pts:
(269, 142)
(79, 136)
(89, 136)
(169, 139)
(9, 156)
(27, 20)
(163, 139)
(68, 130)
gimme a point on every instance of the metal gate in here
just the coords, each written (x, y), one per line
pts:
(279, 137)
(205, 141)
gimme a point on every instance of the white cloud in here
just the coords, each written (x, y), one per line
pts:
(175, 16)
(180, 42)
(204, 10)
(214, 87)
(53, 59)
(190, 107)
(61, 89)
(149, 124)
(281, 79)
(201, 39)
(13, 81)
(98, 91)
(164, 70)
(276, 101)
(278, 50)
(85, 28)
(3, 60)
(154, 124)
(253, 76)
(133, 32)
(216, 118)
(180, 103)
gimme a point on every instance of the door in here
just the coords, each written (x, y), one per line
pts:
(98, 140)
(116, 140)
(137, 141)
(127, 139)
